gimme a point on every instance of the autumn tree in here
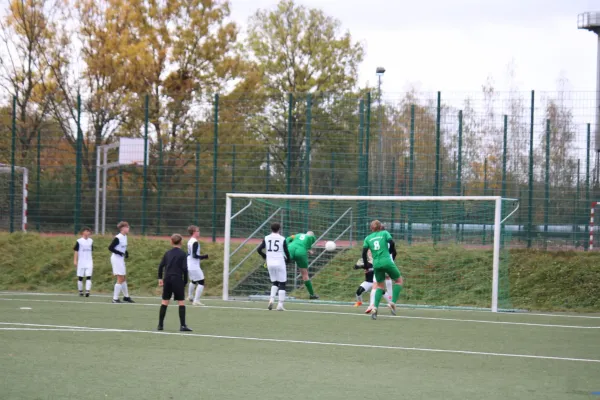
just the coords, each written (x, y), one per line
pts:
(299, 51)
(27, 32)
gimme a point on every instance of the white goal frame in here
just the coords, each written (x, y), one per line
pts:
(25, 191)
(497, 224)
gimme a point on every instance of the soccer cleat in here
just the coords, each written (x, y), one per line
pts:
(270, 305)
(314, 297)
(184, 328)
(280, 308)
(80, 294)
(374, 313)
(197, 303)
(358, 304)
(368, 310)
(87, 294)
(128, 300)
(159, 328)
(116, 301)
(392, 308)
(191, 299)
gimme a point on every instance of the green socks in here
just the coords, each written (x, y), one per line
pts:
(396, 292)
(378, 296)
(309, 287)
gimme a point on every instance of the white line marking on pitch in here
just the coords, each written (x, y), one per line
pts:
(307, 342)
(402, 306)
(328, 312)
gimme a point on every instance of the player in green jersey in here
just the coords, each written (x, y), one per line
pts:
(299, 245)
(383, 249)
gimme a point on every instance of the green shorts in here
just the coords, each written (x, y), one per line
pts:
(300, 256)
(390, 269)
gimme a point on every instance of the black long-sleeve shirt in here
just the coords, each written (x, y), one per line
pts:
(174, 264)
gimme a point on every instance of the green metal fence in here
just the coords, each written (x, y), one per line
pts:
(536, 147)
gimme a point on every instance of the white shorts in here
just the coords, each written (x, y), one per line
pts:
(195, 274)
(85, 271)
(118, 265)
(277, 273)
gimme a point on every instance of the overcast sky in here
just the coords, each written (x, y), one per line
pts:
(455, 45)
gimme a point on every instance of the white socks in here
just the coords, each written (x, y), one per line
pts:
(191, 287)
(88, 285)
(80, 285)
(281, 298)
(124, 289)
(359, 297)
(388, 290)
(199, 290)
(117, 291)
(372, 299)
(274, 290)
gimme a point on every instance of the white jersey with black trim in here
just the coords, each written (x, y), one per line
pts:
(193, 263)
(122, 246)
(84, 248)
(274, 247)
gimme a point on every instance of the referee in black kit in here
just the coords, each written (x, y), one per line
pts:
(174, 266)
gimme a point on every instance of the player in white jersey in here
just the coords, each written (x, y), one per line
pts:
(193, 264)
(83, 261)
(276, 258)
(118, 248)
(368, 283)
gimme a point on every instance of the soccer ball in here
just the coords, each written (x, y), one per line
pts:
(330, 246)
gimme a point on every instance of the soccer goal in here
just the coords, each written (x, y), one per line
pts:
(13, 198)
(451, 249)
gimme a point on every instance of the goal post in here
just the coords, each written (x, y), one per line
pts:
(438, 229)
(14, 188)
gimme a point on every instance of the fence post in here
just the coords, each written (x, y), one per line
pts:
(268, 177)
(459, 172)
(587, 182)
(37, 180)
(332, 186)
(13, 150)
(436, 187)
(547, 184)
(307, 157)
(78, 148)
(393, 190)
(158, 184)
(577, 206)
(120, 210)
(361, 134)
(411, 172)
(233, 169)
(197, 194)
(367, 146)
(530, 197)
(485, 187)
(288, 168)
(145, 187)
(504, 150)
(215, 157)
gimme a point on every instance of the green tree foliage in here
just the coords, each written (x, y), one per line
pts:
(299, 50)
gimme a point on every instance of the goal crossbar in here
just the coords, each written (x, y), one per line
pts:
(497, 200)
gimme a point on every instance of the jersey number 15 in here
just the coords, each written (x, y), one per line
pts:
(273, 246)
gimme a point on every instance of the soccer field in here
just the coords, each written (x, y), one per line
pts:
(67, 347)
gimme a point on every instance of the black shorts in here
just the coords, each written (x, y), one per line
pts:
(174, 287)
(369, 276)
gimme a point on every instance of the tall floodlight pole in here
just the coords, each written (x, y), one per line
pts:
(591, 22)
(380, 71)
